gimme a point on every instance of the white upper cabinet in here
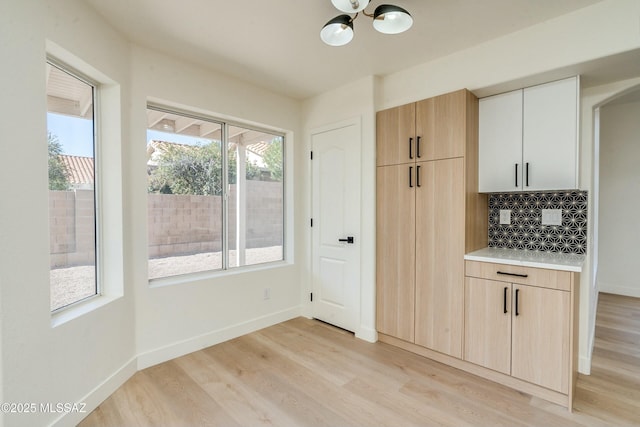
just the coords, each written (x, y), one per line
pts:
(550, 136)
(500, 136)
(529, 139)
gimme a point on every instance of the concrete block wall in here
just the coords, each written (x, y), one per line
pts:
(178, 224)
(264, 214)
(72, 228)
(185, 224)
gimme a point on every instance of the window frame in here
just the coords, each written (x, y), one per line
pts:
(97, 180)
(226, 269)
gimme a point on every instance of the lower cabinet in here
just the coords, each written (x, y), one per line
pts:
(519, 330)
(540, 341)
(487, 319)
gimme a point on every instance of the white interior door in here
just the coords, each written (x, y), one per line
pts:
(336, 216)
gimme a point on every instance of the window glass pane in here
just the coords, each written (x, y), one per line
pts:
(72, 219)
(255, 197)
(184, 166)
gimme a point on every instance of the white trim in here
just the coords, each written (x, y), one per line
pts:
(182, 279)
(106, 388)
(584, 365)
(180, 348)
(367, 334)
(81, 308)
(96, 396)
(619, 289)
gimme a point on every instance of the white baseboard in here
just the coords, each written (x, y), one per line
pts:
(367, 334)
(177, 349)
(610, 288)
(98, 395)
(584, 365)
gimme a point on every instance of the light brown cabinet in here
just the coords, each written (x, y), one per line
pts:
(522, 330)
(395, 135)
(439, 253)
(541, 337)
(487, 319)
(428, 214)
(395, 268)
(430, 129)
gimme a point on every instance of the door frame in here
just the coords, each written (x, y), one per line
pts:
(357, 122)
(591, 100)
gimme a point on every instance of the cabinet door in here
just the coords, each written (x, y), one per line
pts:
(540, 336)
(550, 136)
(487, 320)
(441, 126)
(395, 251)
(500, 143)
(395, 135)
(440, 255)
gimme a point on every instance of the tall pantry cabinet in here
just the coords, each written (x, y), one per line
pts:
(429, 215)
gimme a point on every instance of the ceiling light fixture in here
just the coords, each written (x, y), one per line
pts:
(387, 19)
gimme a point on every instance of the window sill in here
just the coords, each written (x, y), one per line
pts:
(80, 309)
(215, 274)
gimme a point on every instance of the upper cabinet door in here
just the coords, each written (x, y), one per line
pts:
(500, 143)
(395, 135)
(441, 126)
(550, 136)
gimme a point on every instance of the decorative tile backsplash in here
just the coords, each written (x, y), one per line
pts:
(526, 230)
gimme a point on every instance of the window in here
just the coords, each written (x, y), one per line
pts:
(72, 199)
(215, 194)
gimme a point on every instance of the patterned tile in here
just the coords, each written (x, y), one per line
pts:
(526, 230)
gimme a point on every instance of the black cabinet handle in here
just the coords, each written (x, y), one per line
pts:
(347, 240)
(512, 274)
(410, 176)
(505, 299)
(516, 175)
(418, 176)
(527, 175)
(418, 147)
(411, 148)
(517, 308)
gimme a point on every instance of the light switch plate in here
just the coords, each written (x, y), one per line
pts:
(551, 216)
(505, 216)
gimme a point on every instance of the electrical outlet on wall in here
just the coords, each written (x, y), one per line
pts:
(505, 216)
(266, 294)
(551, 216)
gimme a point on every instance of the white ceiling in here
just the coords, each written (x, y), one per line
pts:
(275, 44)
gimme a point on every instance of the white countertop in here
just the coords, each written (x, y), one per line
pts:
(554, 261)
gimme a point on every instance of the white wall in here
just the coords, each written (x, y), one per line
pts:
(41, 362)
(619, 228)
(183, 317)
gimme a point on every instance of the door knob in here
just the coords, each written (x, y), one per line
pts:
(348, 240)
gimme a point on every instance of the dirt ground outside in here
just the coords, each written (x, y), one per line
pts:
(75, 283)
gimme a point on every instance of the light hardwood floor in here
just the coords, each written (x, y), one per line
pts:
(306, 373)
